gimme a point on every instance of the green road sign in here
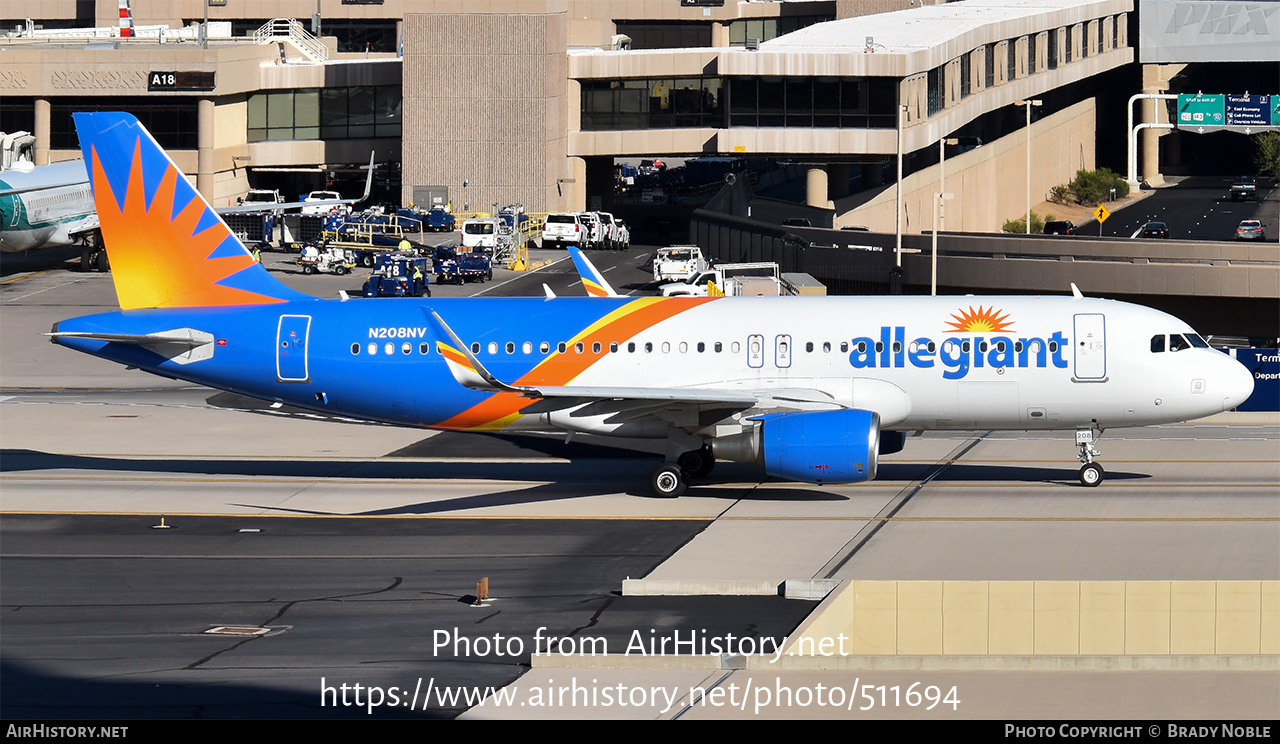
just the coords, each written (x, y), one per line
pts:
(1201, 110)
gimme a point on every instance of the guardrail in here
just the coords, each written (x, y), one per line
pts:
(288, 29)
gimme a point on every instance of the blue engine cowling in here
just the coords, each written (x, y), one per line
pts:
(810, 446)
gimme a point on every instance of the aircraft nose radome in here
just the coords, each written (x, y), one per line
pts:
(1238, 385)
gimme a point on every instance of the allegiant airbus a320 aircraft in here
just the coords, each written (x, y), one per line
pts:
(813, 389)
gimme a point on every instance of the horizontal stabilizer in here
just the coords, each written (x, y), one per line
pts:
(181, 345)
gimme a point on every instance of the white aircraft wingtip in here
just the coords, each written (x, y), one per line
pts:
(342, 293)
(550, 295)
(1075, 292)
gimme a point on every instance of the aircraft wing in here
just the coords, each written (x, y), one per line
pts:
(242, 209)
(691, 408)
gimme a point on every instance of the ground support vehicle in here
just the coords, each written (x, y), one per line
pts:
(564, 228)
(394, 277)
(755, 279)
(325, 260)
(678, 263)
(454, 265)
(439, 219)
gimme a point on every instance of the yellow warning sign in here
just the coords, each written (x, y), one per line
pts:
(1101, 213)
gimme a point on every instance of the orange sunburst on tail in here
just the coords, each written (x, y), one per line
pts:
(167, 246)
(982, 320)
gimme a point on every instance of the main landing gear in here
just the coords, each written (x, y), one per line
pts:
(1091, 473)
(670, 479)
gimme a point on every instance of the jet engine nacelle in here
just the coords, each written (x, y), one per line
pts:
(810, 446)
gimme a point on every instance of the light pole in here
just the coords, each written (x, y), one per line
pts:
(897, 212)
(939, 205)
(1028, 104)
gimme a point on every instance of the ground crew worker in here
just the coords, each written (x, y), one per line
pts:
(257, 255)
(417, 280)
(405, 245)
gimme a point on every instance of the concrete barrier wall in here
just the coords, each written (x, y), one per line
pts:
(1044, 618)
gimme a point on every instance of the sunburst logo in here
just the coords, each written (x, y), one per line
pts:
(982, 320)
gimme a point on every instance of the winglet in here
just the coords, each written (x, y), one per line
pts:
(592, 280)
(463, 365)
(1075, 292)
(550, 295)
(167, 246)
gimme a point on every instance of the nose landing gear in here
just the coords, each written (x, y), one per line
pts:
(1091, 473)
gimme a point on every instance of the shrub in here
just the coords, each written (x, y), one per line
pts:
(1091, 188)
(1019, 226)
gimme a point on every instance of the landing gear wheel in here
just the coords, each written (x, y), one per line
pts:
(101, 263)
(697, 463)
(1091, 474)
(667, 480)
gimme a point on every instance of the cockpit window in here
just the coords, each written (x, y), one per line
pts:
(1157, 344)
(1177, 342)
(1196, 341)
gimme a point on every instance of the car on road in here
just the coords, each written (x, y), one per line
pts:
(797, 222)
(1250, 230)
(1244, 187)
(1059, 227)
(1155, 230)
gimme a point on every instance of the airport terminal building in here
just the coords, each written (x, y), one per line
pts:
(483, 103)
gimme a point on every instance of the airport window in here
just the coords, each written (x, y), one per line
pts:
(1052, 48)
(1157, 344)
(173, 123)
(424, 348)
(1011, 60)
(935, 84)
(355, 349)
(666, 35)
(362, 34)
(331, 113)
(1032, 61)
(764, 29)
(989, 66)
(1070, 50)
(652, 103)
(966, 74)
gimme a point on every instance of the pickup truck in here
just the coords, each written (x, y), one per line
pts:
(678, 263)
(732, 279)
(1244, 187)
